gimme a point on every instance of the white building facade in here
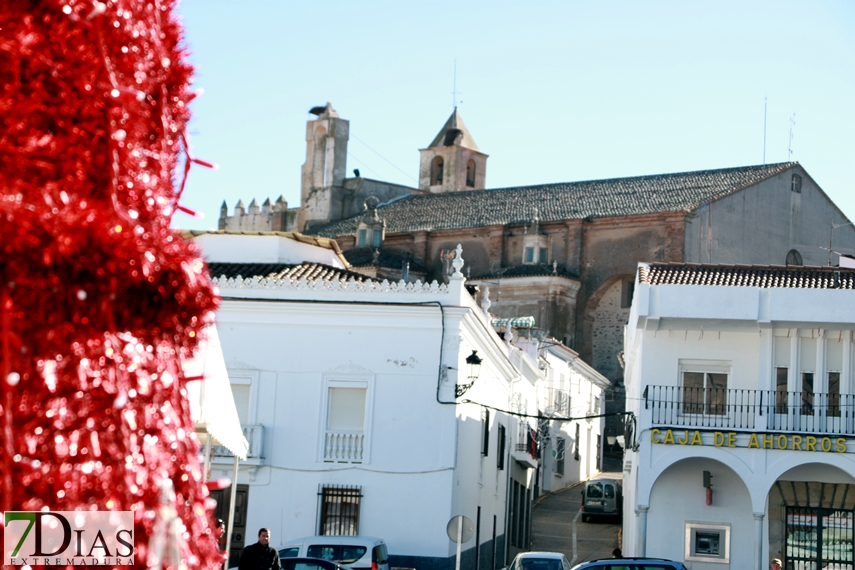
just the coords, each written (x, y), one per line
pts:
(355, 397)
(573, 389)
(742, 383)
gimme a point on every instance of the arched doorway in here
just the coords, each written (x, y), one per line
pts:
(682, 526)
(811, 512)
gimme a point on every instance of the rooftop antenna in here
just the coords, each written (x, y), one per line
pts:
(454, 88)
(764, 129)
(790, 145)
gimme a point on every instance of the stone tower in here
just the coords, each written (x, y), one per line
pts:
(324, 170)
(452, 162)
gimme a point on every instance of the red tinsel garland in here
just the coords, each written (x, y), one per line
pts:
(99, 299)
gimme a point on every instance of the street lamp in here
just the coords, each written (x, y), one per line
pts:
(611, 440)
(473, 368)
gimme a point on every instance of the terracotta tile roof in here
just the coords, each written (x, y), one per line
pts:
(295, 272)
(562, 201)
(764, 276)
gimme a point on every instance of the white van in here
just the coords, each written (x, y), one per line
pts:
(602, 497)
(358, 552)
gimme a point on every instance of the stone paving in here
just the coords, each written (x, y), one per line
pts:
(557, 526)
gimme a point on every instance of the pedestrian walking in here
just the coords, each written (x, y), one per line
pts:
(260, 556)
(220, 534)
(775, 564)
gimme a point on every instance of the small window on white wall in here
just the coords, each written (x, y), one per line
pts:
(346, 409)
(707, 542)
(241, 384)
(704, 385)
(807, 361)
(346, 421)
(240, 392)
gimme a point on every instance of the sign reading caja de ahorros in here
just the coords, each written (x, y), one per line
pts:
(733, 439)
(76, 538)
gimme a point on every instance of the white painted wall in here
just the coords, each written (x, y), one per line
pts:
(737, 325)
(423, 461)
(260, 248)
(585, 386)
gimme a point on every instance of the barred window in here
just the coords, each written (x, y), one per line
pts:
(339, 510)
(559, 456)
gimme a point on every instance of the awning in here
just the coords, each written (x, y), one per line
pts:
(212, 405)
(522, 322)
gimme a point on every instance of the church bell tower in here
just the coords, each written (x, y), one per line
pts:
(452, 162)
(324, 170)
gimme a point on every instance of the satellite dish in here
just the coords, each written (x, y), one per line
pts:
(467, 531)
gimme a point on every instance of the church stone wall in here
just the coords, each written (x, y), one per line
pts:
(607, 340)
(611, 248)
(551, 300)
(356, 190)
(761, 224)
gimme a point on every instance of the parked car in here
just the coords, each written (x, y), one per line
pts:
(294, 563)
(602, 497)
(356, 552)
(630, 564)
(540, 561)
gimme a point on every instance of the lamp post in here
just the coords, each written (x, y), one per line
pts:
(473, 369)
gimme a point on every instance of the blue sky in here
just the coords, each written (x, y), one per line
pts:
(552, 91)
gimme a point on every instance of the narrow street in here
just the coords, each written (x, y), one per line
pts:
(557, 526)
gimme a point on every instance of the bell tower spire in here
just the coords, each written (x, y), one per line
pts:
(452, 161)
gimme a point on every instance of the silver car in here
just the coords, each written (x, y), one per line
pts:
(630, 564)
(540, 561)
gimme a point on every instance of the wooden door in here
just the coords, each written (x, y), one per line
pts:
(239, 536)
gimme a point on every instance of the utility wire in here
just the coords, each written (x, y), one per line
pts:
(365, 166)
(544, 417)
(384, 158)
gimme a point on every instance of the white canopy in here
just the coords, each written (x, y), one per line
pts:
(212, 405)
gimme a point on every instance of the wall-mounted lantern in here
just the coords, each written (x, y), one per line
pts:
(473, 369)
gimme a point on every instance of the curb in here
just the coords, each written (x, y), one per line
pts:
(551, 493)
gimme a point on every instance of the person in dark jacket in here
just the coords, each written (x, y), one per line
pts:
(260, 556)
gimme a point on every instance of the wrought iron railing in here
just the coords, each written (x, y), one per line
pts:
(557, 402)
(736, 408)
(527, 440)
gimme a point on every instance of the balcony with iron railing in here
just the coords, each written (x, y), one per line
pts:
(556, 402)
(738, 409)
(525, 452)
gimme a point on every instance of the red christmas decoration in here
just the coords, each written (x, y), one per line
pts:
(99, 299)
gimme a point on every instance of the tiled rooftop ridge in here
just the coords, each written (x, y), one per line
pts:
(671, 192)
(290, 271)
(763, 276)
